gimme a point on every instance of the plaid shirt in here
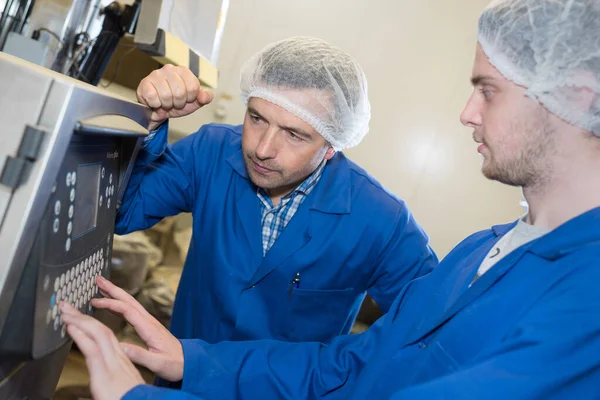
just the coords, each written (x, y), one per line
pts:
(274, 219)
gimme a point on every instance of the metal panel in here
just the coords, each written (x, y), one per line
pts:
(53, 103)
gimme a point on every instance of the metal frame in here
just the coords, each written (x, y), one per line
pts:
(55, 104)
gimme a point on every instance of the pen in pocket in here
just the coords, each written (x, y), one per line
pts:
(294, 284)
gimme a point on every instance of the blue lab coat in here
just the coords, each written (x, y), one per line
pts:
(348, 236)
(527, 329)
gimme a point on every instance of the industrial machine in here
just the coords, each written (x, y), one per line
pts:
(66, 152)
(79, 37)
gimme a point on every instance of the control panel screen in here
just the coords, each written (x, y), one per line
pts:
(86, 201)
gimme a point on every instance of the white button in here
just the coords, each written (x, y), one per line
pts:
(101, 252)
(56, 324)
(48, 316)
(72, 195)
(59, 295)
(60, 320)
(86, 264)
(56, 225)
(69, 227)
(71, 298)
(57, 207)
(78, 280)
(54, 311)
(102, 172)
(101, 198)
(73, 177)
(68, 244)
(68, 180)
(69, 287)
(110, 179)
(62, 280)
(77, 270)
(71, 211)
(56, 284)
(46, 282)
(108, 203)
(107, 192)
(68, 277)
(63, 331)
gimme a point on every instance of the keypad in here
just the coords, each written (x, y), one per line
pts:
(77, 286)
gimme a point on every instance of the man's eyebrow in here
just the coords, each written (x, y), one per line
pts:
(481, 79)
(297, 131)
(253, 111)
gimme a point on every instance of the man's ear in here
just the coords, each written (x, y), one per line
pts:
(582, 96)
(330, 153)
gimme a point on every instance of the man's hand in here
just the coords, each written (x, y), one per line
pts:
(171, 92)
(164, 356)
(112, 375)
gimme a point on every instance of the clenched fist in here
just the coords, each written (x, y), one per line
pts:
(171, 92)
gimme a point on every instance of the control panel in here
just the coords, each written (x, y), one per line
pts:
(72, 246)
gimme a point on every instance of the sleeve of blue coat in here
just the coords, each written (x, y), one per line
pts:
(161, 183)
(147, 392)
(406, 256)
(269, 369)
(554, 353)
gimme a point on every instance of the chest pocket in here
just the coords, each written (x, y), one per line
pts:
(318, 315)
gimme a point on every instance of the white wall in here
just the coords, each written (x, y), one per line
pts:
(417, 56)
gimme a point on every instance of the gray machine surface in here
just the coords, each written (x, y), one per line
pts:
(66, 153)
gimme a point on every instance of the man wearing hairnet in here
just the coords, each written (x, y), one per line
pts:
(288, 233)
(512, 312)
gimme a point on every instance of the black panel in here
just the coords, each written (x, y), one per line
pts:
(71, 248)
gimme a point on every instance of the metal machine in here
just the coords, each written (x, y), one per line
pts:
(66, 153)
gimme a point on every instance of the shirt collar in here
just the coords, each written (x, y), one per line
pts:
(303, 188)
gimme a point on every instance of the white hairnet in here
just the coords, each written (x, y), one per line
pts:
(319, 83)
(551, 47)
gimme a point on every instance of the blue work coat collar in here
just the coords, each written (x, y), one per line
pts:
(332, 194)
(454, 293)
(580, 231)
